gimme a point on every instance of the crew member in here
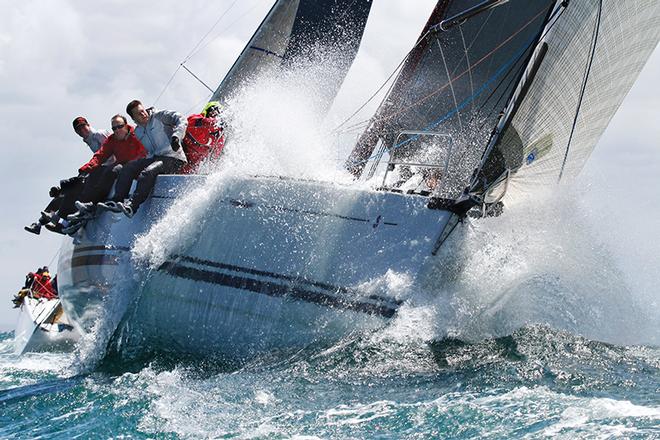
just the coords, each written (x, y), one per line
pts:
(161, 133)
(124, 146)
(204, 137)
(64, 196)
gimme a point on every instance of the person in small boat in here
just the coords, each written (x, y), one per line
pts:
(53, 217)
(204, 137)
(44, 286)
(37, 285)
(124, 146)
(161, 132)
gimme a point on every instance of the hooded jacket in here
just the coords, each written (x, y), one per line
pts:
(42, 286)
(123, 151)
(204, 137)
(157, 135)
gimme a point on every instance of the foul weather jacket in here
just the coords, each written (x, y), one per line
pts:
(42, 287)
(123, 151)
(204, 137)
(157, 135)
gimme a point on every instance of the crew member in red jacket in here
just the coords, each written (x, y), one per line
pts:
(204, 137)
(125, 147)
(43, 286)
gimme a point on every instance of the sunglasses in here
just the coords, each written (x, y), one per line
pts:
(117, 127)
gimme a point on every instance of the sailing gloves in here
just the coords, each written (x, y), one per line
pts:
(176, 143)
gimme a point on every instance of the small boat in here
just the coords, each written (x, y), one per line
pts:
(43, 326)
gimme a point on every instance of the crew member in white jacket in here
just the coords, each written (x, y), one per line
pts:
(161, 133)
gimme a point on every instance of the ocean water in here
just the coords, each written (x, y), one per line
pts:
(535, 333)
(535, 383)
(531, 331)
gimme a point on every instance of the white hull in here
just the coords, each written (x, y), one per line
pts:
(276, 264)
(41, 326)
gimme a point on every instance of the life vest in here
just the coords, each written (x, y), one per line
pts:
(42, 286)
(204, 137)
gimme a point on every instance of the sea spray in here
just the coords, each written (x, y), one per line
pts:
(104, 319)
(539, 262)
(272, 129)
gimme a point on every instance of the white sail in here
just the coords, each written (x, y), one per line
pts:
(545, 141)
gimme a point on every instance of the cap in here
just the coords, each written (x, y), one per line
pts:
(79, 121)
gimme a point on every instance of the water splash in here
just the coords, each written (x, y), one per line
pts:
(105, 319)
(274, 128)
(540, 262)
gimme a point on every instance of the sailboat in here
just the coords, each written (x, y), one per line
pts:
(42, 326)
(495, 100)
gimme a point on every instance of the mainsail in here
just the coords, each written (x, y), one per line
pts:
(299, 32)
(595, 50)
(457, 78)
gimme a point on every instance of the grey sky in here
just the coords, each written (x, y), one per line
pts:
(62, 59)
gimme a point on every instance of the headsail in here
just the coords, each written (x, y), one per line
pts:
(458, 77)
(595, 51)
(302, 31)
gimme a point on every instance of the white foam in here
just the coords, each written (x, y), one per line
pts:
(273, 129)
(540, 262)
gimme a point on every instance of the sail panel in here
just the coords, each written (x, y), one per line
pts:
(265, 49)
(456, 81)
(299, 33)
(628, 32)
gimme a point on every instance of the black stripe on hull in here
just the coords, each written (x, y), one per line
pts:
(265, 287)
(295, 280)
(274, 289)
(91, 260)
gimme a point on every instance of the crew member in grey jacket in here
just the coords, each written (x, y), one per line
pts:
(161, 133)
(91, 136)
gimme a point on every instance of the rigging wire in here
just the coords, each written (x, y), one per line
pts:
(451, 83)
(167, 84)
(583, 88)
(507, 66)
(53, 259)
(196, 49)
(394, 72)
(336, 129)
(196, 77)
(192, 51)
(467, 58)
(226, 28)
(396, 69)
